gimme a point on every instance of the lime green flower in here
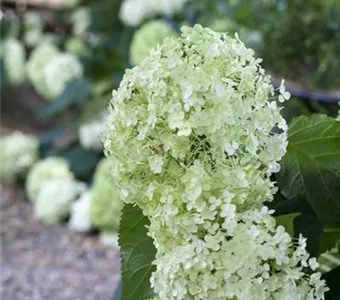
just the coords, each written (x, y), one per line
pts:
(43, 171)
(18, 153)
(147, 37)
(106, 206)
(55, 198)
(14, 60)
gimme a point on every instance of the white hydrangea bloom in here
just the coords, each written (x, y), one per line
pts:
(60, 71)
(133, 12)
(80, 220)
(14, 60)
(45, 170)
(36, 64)
(55, 198)
(191, 140)
(33, 26)
(147, 37)
(81, 19)
(18, 153)
(109, 239)
(90, 134)
(338, 118)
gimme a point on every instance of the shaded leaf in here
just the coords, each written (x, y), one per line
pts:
(75, 92)
(137, 254)
(311, 166)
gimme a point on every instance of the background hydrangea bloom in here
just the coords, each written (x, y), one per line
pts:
(55, 198)
(45, 170)
(106, 206)
(133, 12)
(33, 28)
(191, 140)
(36, 64)
(90, 134)
(80, 220)
(14, 60)
(62, 69)
(18, 153)
(147, 37)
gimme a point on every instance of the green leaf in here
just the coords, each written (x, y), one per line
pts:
(330, 238)
(137, 254)
(287, 221)
(75, 92)
(311, 166)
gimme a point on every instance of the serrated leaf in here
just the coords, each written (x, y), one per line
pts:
(311, 166)
(75, 92)
(137, 254)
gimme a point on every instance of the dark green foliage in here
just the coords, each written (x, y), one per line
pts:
(137, 254)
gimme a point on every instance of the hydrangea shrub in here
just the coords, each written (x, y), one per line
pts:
(194, 135)
(106, 206)
(18, 153)
(43, 171)
(147, 37)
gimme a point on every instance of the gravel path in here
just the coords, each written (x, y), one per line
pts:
(47, 263)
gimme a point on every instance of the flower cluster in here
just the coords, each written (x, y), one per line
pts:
(133, 12)
(14, 60)
(18, 153)
(80, 220)
(106, 206)
(55, 199)
(81, 19)
(33, 25)
(46, 169)
(147, 37)
(62, 69)
(194, 134)
(90, 134)
(49, 70)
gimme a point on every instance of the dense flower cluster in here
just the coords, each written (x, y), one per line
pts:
(38, 60)
(14, 60)
(18, 153)
(81, 19)
(49, 70)
(43, 171)
(133, 12)
(55, 199)
(90, 134)
(106, 206)
(194, 134)
(147, 37)
(60, 71)
(33, 25)
(80, 220)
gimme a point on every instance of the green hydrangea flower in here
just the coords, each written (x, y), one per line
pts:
(191, 140)
(14, 60)
(33, 26)
(43, 171)
(147, 37)
(55, 198)
(18, 153)
(106, 206)
(36, 64)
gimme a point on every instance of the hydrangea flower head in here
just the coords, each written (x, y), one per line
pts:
(55, 199)
(45, 170)
(106, 206)
(62, 69)
(18, 153)
(192, 142)
(14, 60)
(133, 12)
(147, 37)
(90, 134)
(36, 64)
(80, 220)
